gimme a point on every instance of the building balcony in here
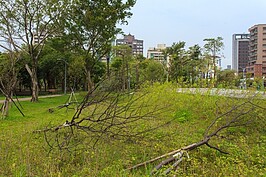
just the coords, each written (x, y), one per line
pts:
(253, 38)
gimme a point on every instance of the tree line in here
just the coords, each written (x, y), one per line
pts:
(42, 39)
(80, 29)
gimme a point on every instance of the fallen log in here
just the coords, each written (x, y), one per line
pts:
(170, 159)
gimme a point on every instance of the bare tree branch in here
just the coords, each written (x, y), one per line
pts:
(112, 115)
(237, 116)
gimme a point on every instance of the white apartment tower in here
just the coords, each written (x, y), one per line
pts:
(156, 53)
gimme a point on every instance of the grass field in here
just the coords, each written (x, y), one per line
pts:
(24, 153)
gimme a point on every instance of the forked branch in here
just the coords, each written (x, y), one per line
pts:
(113, 115)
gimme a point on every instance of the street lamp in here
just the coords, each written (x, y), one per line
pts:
(65, 73)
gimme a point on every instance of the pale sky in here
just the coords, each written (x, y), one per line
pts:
(169, 21)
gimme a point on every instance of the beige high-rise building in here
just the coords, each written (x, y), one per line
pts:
(257, 51)
(156, 53)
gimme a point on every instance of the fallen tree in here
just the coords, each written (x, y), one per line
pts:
(240, 115)
(106, 114)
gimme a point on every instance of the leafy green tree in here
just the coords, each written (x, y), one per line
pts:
(76, 72)
(184, 64)
(121, 65)
(49, 66)
(55, 55)
(205, 68)
(152, 71)
(178, 59)
(25, 25)
(214, 46)
(8, 78)
(227, 78)
(137, 62)
(194, 54)
(90, 26)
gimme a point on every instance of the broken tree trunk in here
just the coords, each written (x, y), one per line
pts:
(172, 158)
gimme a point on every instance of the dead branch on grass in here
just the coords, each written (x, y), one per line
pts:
(106, 115)
(238, 116)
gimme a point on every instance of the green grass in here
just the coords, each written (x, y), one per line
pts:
(24, 153)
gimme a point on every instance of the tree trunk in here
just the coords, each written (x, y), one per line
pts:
(7, 103)
(89, 80)
(137, 75)
(35, 89)
(34, 83)
(214, 63)
(128, 78)
(123, 79)
(108, 68)
(45, 84)
(5, 108)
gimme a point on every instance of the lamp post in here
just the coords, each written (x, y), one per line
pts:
(65, 87)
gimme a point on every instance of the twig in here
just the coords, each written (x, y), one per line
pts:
(213, 147)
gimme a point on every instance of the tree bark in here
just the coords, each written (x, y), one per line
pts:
(89, 80)
(137, 75)
(34, 83)
(5, 108)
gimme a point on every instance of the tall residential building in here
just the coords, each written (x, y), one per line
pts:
(135, 44)
(240, 52)
(257, 51)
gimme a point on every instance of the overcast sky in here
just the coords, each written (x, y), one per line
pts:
(168, 21)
